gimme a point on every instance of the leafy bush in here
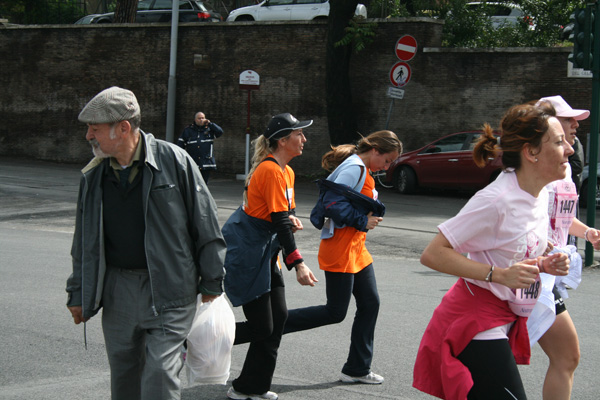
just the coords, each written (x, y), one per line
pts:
(42, 11)
(468, 27)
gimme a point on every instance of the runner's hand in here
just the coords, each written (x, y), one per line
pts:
(594, 238)
(555, 264)
(296, 224)
(372, 220)
(305, 276)
(518, 276)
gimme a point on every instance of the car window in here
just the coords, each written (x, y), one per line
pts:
(162, 5)
(144, 5)
(452, 143)
(185, 5)
(310, 1)
(200, 6)
(168, 5)
(500, 10)
(280, 2)
(474, 141)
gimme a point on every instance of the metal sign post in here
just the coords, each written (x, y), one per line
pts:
(593, 150)
(393, 93)
(400, 73)
(249, 81)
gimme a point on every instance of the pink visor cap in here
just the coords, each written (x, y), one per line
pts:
(563, 109)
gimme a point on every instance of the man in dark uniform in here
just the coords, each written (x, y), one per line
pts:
(197, 139)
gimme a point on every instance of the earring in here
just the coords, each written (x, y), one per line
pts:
(536, 160)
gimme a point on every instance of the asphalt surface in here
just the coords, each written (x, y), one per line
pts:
(42, 353)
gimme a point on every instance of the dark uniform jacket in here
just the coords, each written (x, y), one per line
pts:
(198, 142)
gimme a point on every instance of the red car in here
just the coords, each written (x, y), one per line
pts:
(444, 163)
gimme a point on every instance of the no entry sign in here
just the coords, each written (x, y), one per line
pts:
(406, 48)
(400, 74)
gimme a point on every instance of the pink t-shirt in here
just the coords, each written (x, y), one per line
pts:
(562, 207)
(502, 225)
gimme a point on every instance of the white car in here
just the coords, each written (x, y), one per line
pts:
(502, 14)
(288, 10)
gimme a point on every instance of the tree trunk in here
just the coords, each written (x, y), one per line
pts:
(126, 11)
(340, 113)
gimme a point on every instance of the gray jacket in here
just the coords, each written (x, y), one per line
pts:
(185, 249)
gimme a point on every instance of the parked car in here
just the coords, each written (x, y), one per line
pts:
(444, 163)
(149, 11)
(583, 192)
(502, 14)
(288, 10)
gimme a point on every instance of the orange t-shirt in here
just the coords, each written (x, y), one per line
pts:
(345, 251)
(270, 190)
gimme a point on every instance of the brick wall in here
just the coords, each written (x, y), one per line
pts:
(50, 72)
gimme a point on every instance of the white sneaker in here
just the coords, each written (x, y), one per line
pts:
(235, 395)
(371, 378)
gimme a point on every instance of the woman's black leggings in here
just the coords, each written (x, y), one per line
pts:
(494, 371)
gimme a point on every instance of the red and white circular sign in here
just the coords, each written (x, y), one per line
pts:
(400, 74)
(406, 48)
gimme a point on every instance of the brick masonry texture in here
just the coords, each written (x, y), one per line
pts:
(50, 72)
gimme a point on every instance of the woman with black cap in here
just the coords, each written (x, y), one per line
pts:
(255, 233)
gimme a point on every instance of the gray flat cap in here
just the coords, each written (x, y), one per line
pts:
(111, 105)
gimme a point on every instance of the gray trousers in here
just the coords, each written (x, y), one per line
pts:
(144, 350)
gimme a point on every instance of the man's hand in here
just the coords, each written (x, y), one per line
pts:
(206, 298)
(77, 313)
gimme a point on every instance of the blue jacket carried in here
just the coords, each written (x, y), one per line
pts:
(251, 244)
(341, 203)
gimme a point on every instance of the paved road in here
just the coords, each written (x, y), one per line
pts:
(43, 354)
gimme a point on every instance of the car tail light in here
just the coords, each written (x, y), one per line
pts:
(203, 15)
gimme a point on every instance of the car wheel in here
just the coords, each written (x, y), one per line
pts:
(244, 18)
(406, 181)
(583, 194)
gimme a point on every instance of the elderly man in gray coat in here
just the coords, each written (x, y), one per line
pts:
(146, 243)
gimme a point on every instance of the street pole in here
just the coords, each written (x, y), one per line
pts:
(247, 164)
(595, 127)
(172, 83)
(387, 122)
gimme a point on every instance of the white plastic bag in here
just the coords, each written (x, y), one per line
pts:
(210, 342)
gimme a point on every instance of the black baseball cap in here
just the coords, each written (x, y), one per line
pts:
(281, 125)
